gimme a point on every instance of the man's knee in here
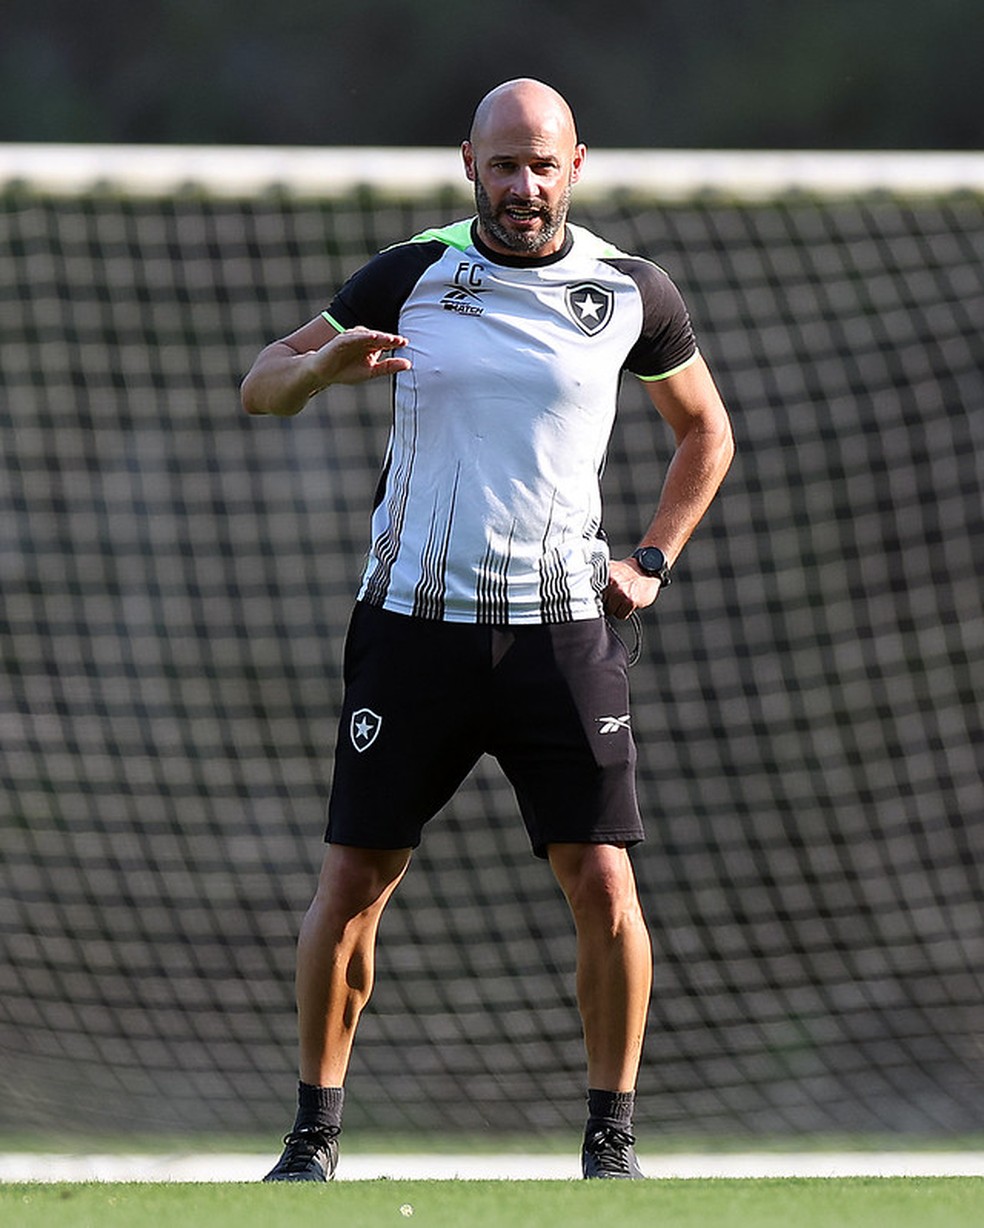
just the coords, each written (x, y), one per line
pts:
(354, 881)
(597, 879)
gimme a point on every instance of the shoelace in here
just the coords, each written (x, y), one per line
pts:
(610, 1147)
(305, 1144)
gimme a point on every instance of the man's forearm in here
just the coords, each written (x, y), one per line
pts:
(693, 477)
(289, 372)
(280, 382)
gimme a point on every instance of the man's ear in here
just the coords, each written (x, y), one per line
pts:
(468, 157)
(577, 163)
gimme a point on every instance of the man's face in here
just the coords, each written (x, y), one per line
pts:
(522, 221)
(523, 174)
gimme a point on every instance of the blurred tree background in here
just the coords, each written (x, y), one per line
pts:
(862, 74)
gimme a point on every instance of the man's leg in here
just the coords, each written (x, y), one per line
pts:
(614, 982)
(336, 955)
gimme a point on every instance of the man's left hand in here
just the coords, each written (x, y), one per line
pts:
(628, 589)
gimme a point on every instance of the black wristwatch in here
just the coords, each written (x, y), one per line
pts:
(652, 562)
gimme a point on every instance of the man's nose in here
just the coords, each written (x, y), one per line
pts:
(524, 183)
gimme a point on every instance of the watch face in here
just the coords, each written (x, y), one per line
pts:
(651, 559)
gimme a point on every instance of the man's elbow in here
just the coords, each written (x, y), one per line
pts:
(719, 437)
(248, 398)
(261, 393)
(728, 447)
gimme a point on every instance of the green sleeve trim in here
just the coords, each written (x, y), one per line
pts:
(589, 241)
(333, 322)
(652, 379)
(456, 235)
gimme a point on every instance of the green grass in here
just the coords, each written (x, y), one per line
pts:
(829, 1203)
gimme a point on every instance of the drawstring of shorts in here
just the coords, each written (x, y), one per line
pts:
(635, 622)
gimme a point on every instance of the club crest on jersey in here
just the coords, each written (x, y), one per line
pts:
(364, 728)
(590, 306)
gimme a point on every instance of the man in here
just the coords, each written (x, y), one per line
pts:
(488, 582)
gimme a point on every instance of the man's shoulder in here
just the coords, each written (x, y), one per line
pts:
(424, 248)
(643, 271)
(421, 249)
(588, 244)
(457, 235)
(376, 292)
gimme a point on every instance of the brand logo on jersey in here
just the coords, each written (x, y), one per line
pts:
(464, 292)
(364, 728)
(590, 306)
(612, 724)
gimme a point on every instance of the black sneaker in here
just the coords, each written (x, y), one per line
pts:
(609, 1151)
(310, 1154)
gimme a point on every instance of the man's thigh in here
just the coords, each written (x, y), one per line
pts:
(409, 730)
(563, 734)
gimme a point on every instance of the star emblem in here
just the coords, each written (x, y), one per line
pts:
(590, 306)
(364, 728)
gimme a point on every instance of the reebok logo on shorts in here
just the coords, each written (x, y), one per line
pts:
(612, 724)
(364, 728)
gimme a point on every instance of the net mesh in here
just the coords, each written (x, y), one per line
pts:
(176, 580)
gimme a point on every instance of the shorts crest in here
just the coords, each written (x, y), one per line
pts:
(364, 728)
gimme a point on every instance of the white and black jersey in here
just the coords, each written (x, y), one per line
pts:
(489, 504)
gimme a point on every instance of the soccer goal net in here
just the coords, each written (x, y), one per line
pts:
(176, 582)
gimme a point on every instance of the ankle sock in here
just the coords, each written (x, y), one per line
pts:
(319, 1106)
(610, 1108)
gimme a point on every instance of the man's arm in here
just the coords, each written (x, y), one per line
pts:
(690, 404)
(287, 373)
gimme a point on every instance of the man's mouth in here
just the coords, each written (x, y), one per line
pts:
(522, 213)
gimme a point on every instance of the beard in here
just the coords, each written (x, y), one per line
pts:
(525, 242)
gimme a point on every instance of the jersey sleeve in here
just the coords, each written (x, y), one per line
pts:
(374, 295)
(666, 340)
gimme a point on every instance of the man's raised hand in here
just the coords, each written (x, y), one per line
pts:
(357, 355)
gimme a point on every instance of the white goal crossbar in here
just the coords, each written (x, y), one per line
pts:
(666, 174)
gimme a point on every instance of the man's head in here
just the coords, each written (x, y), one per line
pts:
(523, 156)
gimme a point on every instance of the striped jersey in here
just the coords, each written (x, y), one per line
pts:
(488, 509)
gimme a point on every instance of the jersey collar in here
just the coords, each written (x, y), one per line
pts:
(522, 262)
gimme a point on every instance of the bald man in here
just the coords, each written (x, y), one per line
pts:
(481, 623)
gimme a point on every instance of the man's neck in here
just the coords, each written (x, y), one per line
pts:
(499, 253)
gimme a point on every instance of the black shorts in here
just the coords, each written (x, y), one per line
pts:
(425, 699)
